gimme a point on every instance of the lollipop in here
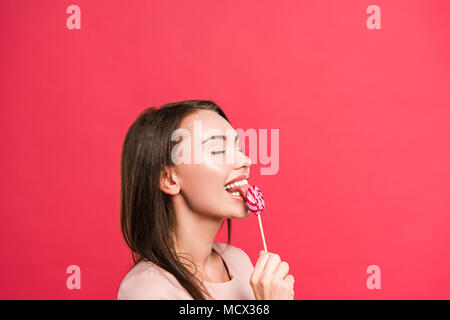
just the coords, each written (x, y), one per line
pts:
(255, 203)
(255, 200)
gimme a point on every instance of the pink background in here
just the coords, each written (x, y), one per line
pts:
(364, 120)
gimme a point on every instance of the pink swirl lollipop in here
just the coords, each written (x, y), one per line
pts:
(255, 203)
(255, 200)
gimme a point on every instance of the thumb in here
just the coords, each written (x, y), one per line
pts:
(261, 252)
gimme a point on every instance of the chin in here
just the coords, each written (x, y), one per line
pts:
(240, 215)
(238, 209)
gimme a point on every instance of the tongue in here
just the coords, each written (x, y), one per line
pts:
(243, 191)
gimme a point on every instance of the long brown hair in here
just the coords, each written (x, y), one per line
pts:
(146, 212)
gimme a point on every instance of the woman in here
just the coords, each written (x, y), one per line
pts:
(172, 210)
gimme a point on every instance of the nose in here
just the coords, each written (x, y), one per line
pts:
(243, 161)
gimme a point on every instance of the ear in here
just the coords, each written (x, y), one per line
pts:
(169, 182)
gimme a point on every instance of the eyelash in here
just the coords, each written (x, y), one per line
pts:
(217, 152)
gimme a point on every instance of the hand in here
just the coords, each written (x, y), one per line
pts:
(270, 279)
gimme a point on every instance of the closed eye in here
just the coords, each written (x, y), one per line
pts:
(223, 151)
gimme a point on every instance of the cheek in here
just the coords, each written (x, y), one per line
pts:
(202, 185)
(200, 176)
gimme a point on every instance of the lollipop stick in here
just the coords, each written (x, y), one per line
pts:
(262, 232)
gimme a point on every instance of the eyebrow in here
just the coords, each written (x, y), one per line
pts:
(220, 137)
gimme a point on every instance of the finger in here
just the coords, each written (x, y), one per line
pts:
(282, 271)
(290, 280)
(267, 274)
(272, 264)
(259, 266)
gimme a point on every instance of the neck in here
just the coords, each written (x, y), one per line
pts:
(194, 237)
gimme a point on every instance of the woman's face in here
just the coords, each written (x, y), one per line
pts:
(212, 163)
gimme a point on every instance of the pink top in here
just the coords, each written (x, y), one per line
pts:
(147, 281)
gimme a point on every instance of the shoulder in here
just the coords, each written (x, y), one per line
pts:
(234, 254)
(229, 249)
(146, 281)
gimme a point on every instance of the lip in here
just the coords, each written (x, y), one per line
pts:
(236, 197)
(241, 177)
(242, 189)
